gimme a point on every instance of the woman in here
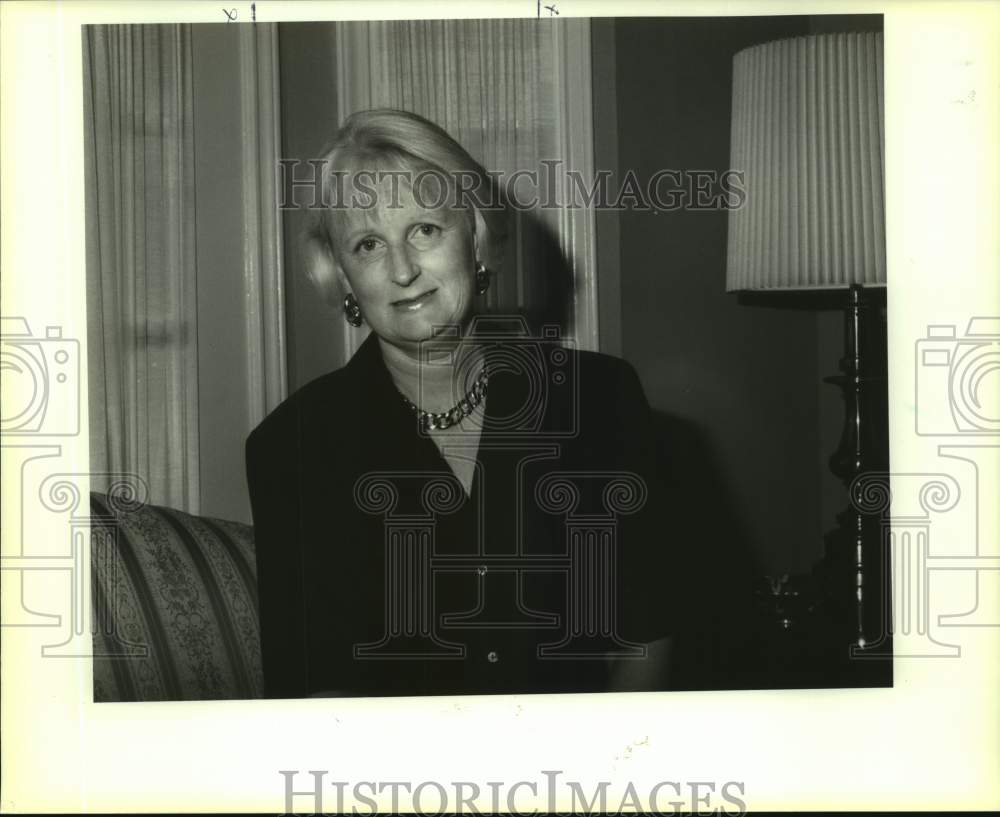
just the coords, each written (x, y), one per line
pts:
(463, 507)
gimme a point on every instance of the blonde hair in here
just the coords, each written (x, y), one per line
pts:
(387, 139)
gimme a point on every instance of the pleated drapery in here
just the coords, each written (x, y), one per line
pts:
(141, 274)
(808, 131)
(487, 82)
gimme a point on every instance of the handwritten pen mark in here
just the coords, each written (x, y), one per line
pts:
(231, 14)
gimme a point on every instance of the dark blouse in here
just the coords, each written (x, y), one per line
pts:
(379, 576)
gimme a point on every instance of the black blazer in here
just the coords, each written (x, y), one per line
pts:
(378, 576)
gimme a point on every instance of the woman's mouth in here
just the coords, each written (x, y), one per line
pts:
(415, 303)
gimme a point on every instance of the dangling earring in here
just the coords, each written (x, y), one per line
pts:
(352, 312)
(482, 278)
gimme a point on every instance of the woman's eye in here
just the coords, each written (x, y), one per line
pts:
(428, 230)
(366, 245)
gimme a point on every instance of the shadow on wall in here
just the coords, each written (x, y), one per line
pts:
(541, 292)
(706, 536)
(706, 512)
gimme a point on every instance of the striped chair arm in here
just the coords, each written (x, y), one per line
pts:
(175, 606)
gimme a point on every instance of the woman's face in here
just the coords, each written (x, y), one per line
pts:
(412, 269)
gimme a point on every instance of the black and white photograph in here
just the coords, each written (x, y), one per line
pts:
(444, 357)
(499, 407)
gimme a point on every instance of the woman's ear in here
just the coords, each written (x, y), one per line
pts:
(480, 237)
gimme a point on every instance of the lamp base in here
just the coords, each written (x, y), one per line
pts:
(854, 573)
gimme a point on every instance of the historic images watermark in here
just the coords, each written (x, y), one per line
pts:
(42, 406)
(315, 184)
(589, 504)
(953, 386)
(90, 560)
(547, 794)
(42, 396)
(956, 400)
(545, 358)
(955, 403)
(586, 560)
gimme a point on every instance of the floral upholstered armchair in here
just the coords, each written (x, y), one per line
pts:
(174, 605)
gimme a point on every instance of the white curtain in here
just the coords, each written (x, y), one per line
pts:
(489, 83)
(513, 92)
(141, 276)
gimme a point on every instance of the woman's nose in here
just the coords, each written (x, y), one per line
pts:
(404, 268)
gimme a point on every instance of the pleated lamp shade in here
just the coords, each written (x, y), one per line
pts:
(808, 132)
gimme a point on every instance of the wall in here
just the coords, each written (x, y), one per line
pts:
(743, 416)
(222, 376)
(309, 117)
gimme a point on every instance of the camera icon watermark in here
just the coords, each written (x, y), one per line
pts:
(544, 364)
(42, 381)
(957, 389)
